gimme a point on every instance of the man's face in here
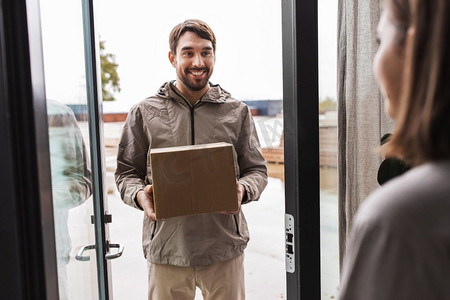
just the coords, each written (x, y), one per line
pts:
(194, 62)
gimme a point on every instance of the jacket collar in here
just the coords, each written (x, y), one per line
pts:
(215, 94)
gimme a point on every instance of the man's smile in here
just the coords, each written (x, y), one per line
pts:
(197, 72)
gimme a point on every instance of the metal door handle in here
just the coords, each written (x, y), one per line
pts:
(80, 256)
(109, 245)
(116, 254)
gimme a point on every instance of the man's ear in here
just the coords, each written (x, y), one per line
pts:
(172, 59)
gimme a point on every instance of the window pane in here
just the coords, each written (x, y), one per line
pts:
(327, 15)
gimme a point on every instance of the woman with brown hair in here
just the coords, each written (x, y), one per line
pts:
(399, 247)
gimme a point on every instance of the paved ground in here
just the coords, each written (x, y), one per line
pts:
(264, 260)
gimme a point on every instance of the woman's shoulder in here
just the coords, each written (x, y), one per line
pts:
(422, 191)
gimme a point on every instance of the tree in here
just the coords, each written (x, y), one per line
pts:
(327, 104)
(110, 77)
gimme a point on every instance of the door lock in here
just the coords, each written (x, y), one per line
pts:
(290, 254)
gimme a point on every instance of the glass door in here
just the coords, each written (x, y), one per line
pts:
(74, 115)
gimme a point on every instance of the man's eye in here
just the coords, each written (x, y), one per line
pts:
(207, 53)
(187, 53)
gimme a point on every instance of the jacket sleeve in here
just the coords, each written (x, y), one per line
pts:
(131, 169)
(252, 165)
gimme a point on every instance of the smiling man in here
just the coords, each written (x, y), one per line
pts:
(194, 63)
(205, 250)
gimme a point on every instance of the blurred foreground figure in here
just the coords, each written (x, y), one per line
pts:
(399, 247)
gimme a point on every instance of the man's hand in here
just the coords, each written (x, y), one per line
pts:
(145, 200)
(240, 196)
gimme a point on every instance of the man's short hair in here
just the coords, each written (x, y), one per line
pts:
(196, 26)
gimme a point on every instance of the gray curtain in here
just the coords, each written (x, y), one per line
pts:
(361, 118)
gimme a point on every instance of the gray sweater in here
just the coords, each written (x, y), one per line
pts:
(399, 247)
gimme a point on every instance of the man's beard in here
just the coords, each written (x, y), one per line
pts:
(195, 85)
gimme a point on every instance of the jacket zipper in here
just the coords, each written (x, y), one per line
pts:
(237, 225)
(192, 108)
(153, 231)
(192, 125)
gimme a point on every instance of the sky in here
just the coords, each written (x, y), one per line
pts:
(248, 55)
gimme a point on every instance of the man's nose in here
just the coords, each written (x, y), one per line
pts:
(198, 61)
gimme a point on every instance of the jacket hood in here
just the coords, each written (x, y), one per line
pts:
(215, 94)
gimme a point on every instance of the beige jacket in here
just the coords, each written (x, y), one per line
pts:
(165, 120)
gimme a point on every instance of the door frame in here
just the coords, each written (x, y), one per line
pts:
(27, 221)
(301, 144)
(26, 216)
(95, 117)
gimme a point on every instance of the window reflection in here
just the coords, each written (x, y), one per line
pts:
(71, 179)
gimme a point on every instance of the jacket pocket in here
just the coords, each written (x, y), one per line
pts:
(155, 224)
(237, 225)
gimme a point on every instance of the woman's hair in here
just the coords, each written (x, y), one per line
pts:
(423, 120)
(197, 26)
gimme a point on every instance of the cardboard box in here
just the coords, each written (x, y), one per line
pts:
(193, 179)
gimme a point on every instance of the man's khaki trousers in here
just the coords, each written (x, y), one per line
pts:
(221, 281)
